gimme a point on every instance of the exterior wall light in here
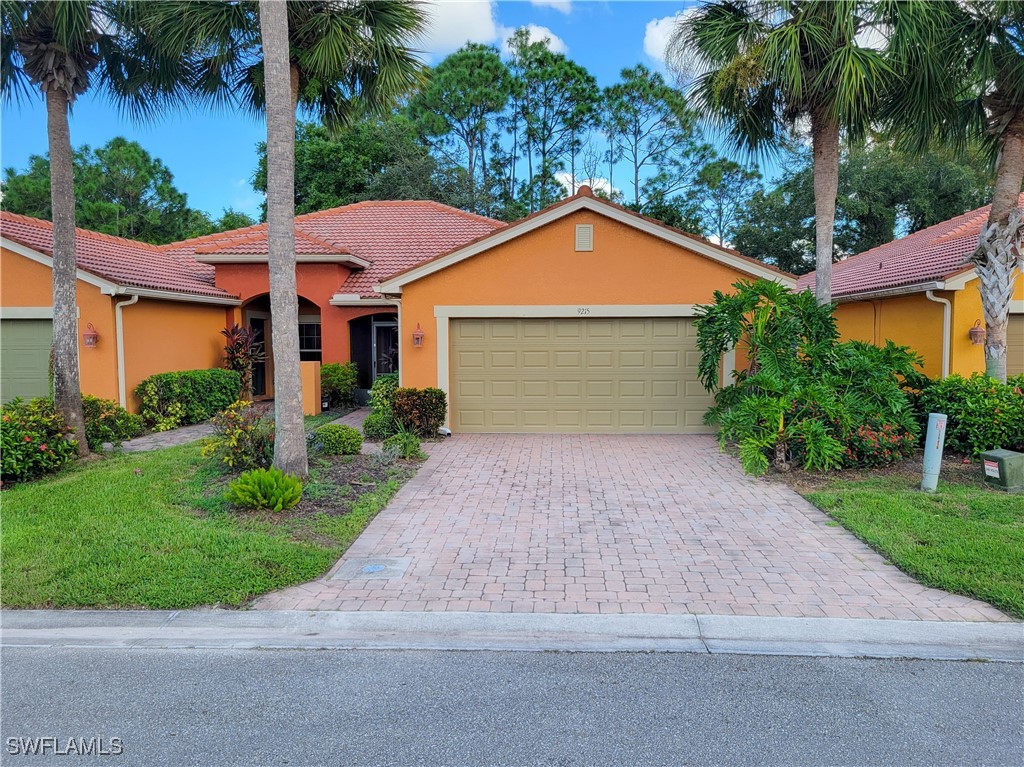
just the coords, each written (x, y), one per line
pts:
(90, 337)
(977, 334)
(417, 336)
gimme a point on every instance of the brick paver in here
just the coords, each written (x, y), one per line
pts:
(615, 524)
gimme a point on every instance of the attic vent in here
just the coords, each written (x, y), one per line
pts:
(584, 237)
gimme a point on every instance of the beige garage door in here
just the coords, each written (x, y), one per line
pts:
(1015, 346)
(576, 375)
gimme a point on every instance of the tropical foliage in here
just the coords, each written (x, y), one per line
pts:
(242, 437)
(265, 489)
(421, 411)
(170, 400)
(983, 413)
(34, 440)
(108, 422)
(804, 398)
(242, 350)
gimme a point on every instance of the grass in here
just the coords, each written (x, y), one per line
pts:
(153, 530)
(966, 538)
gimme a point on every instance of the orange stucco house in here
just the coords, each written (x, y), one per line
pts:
(577, 318)
(919, 291)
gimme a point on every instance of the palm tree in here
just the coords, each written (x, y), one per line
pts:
(960, 70)
(65, 49)
(333, 59)
(763, 68)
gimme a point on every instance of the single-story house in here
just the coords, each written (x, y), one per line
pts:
(577, 318)
(920, 291)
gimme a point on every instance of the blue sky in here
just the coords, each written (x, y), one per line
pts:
(213, 156)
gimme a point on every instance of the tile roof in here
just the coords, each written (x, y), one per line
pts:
(259, 244)
(391, 235)
(929, 255)
(122, 261)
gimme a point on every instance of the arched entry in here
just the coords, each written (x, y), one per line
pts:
(256, 315)
(374, 346)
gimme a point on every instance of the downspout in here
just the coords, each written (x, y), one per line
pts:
(947, 309)
(122, 394)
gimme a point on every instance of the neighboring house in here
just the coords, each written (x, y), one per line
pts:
(919, 291)
(150, 311)
(577, 318)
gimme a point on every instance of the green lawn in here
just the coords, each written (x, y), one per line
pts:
(152, 530)
(965, 538)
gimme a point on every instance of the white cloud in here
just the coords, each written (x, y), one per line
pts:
(658, 32)
(565, 6)
(451, 25)
(537, 34)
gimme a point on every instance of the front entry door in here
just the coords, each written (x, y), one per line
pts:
(385, 348)
(260, 326)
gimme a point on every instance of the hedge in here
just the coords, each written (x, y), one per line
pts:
(185, 397)
(421, 411)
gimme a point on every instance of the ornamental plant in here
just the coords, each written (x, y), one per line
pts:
(170, 400)
(984, 414)
(108, 422)
(34, 440)
(242, 438)
(338, 383)
(380, 423)
(421, 411)
(265, 489)
(405, 444)
(338, 439)
(242, 350)
(804, 397)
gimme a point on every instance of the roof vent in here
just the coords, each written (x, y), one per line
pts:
(584, 237)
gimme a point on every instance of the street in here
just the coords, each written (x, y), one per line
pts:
(331, 707)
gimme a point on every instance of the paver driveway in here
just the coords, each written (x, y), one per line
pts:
(596, 523)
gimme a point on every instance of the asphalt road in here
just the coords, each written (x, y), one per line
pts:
(294, 707)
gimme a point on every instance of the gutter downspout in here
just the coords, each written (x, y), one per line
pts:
(947, 309)
(122, 394)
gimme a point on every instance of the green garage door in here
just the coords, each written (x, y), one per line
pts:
(25, 358)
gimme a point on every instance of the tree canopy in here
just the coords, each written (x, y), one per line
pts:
(120, 189)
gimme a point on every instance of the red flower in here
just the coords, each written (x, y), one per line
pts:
(28, 438)
(42, 448)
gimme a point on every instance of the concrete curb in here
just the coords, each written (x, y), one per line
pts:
(230, 629)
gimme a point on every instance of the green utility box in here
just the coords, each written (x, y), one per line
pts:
(1004, 469)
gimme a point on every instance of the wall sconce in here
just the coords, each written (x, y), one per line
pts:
(977, 334)
(90, 337)
(417, 336)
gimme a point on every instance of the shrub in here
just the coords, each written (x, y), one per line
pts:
(106, 421)
(804, 396)
(34, 440)
(265, 489)
(338, 383)
(422, 411)
(241, 352)
(185, 397)
(382, 392)
(379, 426)
(984, 414)
(405, 444)
(242, 437)
(338, 439)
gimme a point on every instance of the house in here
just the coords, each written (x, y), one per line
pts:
(577, 318)
(920, 291)
(145, 311)
(161, 308)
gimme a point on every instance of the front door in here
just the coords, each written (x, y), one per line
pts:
(259, 369)
(385, 347)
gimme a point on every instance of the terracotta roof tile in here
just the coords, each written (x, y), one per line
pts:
(928, 255)
(391, 235)
(119, 260)
(259, 244)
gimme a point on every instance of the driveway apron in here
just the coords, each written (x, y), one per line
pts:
(611, 524)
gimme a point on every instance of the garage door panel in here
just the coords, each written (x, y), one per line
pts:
(1015, 346)
(585, 374)
(25, 358)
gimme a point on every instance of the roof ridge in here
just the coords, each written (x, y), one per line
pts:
(397, 203)
(42, 223)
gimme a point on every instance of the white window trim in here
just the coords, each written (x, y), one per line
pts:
(27, 313)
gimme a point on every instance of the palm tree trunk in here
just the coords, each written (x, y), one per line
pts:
(825, 148)
(997, 259)
(282, 92)
(67, 388)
